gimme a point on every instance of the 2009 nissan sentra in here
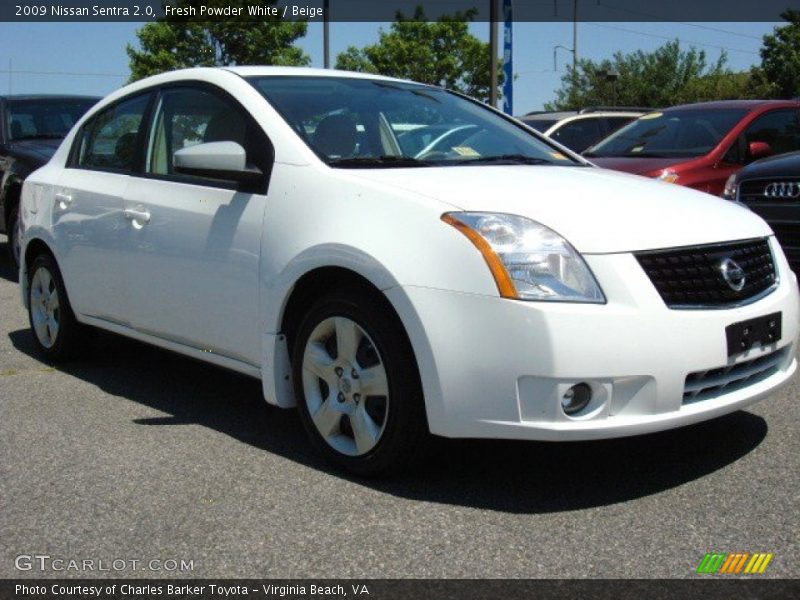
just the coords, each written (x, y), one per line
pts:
(290, 225)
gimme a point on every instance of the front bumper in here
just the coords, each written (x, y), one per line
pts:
(497, 368)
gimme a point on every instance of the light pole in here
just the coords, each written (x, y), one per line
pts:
(493, 51)
(326, 34)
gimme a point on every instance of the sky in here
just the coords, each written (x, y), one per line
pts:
(90, 58)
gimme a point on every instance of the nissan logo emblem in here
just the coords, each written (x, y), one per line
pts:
(733, 274)
(782, 189)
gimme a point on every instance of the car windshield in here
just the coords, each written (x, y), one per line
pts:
(50, 118)
(672, 134)
(363, 123)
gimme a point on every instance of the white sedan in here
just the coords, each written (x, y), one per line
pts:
(267, 220)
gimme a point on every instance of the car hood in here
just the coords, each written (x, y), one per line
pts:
(637, 166)
(39, 150)
(782, 165)
(597, 210)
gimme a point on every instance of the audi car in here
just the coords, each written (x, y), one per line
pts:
(771, 189)
(268, 220)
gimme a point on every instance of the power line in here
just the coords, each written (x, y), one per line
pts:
(663, 37)
(71, 73)
(661, 18)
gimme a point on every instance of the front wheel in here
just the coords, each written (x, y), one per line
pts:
(357, 384)
(57, 333)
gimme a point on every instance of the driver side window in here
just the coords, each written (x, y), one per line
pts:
(780, 129)
(186, 117)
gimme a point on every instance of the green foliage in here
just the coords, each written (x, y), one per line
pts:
(664, 77)
(180, 42)
(780, 57)
(442, 53)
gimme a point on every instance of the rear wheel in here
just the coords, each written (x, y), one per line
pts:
(57, 333)
(357, 384)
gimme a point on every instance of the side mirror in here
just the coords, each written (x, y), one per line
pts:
(217, 160)
(758, 150)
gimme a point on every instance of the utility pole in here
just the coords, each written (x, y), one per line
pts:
(9, 76)
(326, 34)
(493, 50)
(575, 36)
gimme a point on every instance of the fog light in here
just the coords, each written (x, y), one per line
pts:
(576, 398)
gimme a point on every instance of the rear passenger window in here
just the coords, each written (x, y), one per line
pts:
(110, 140)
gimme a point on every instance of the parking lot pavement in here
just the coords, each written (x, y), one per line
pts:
(134, 453)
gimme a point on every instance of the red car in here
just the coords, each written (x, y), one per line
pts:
(701, 145)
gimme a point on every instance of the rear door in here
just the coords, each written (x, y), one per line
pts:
(88, 224)
(195, 243)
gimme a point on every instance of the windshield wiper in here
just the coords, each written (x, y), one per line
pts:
(378, 161)
(509, 159)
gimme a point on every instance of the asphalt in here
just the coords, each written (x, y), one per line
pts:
(134, 453)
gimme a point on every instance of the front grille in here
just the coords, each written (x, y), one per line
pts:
(692, 277)
(756, 189)
(704, 385)
(781, 211)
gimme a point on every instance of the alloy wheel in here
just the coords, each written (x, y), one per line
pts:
(345, 386)
(45, 307)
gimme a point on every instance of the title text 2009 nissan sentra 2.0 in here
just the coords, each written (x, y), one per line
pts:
(299, 226)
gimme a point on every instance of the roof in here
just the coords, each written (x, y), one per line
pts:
(255, 71)
(741, 104)
(548, 115)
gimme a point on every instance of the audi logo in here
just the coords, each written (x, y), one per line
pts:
(783, 189)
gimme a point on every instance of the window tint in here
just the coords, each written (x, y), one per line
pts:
(578, 135)
(779, 129)
(110, 139)
(44, 118)
(540, 125)
(614, 123)
(677, 133)
(190, 116)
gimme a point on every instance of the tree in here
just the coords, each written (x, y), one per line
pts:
(442, 53)
(664, 77)
(780, 57)
(177, 42)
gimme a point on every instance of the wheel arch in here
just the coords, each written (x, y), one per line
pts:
(311, 274)
(31, 248)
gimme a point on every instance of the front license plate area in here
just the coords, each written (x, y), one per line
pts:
(744, 335)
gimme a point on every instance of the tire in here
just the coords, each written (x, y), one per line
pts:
(12, 229)
(357, 384)
(56, 332)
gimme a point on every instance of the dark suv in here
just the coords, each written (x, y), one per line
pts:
(31, 129)
(771, 189)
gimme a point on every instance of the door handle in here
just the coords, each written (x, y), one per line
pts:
(138, 216)
(64, 200)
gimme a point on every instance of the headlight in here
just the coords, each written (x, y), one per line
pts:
(668, 176)
(528, 260)
(729, 193)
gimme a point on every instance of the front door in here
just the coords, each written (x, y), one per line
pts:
(193, 268)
